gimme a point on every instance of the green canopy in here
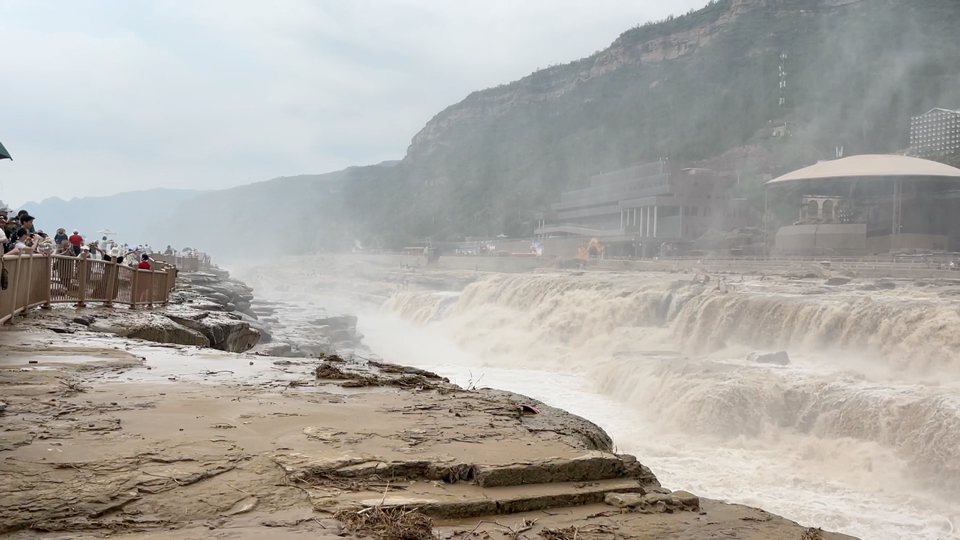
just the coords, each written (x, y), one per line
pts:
(3, 153)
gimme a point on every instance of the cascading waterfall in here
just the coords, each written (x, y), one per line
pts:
(868, 368)
(859, 433)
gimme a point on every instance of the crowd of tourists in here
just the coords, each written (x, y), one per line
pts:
(20, 236)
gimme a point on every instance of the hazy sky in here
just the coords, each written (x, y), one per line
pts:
(103, 96)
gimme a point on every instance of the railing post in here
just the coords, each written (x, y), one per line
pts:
(15, 275)
(134, 288)
(82, 280)
(49, 288)
(171, 281)
(150, 274)
(27, 302)
(112, 277)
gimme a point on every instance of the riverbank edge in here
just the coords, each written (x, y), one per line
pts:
(590, 436)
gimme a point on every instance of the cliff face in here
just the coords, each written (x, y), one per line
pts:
(688, 88)
(552, 83)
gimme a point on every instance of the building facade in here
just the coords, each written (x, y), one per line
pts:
(935, 132)
(653, 203)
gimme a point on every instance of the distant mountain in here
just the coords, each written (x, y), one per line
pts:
(271, 218)
(129, 214)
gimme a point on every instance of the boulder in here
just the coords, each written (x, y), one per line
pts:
(654, 498)
(218, 297)
(624, 500)
(780, 358)
(153, 327)
(316, 346)
(337, 322)
(686, 499)
(281, 350)
(835, 281)
(223, 330)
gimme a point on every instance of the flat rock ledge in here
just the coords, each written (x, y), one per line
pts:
(451, 489)
(205, 310)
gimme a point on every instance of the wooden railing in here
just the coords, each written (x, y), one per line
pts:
(42, 280)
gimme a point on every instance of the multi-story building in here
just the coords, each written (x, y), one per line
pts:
(935, 132)
(651, 203)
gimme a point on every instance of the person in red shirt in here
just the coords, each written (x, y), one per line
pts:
(76, 241)
(144, 262)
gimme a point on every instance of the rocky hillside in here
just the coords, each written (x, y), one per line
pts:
(688, 88)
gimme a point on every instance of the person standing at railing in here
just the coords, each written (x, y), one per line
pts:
(63, 268)
(76, 241)
(18, 244)
(144, 262)
(26, 222)
(61, 236)
(45, 244)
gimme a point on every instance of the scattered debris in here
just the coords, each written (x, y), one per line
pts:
(326, 370)
(394, 523)
(243, 506)
(578, 533)
(207, 372)
(71, 388)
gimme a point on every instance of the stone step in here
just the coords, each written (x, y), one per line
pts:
(588, 467)
(458, 501)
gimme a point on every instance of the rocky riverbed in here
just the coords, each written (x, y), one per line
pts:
(214, 311)
(208, 418)
(108, 436)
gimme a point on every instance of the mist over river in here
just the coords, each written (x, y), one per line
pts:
(859, 433)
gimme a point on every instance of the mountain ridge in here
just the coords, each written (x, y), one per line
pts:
(703, 88)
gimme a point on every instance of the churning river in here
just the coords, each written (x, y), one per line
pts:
(859, 433)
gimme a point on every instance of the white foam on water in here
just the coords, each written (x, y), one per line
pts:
(859, 434)
(832, 484)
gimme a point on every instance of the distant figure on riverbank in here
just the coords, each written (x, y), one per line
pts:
(76, 241)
